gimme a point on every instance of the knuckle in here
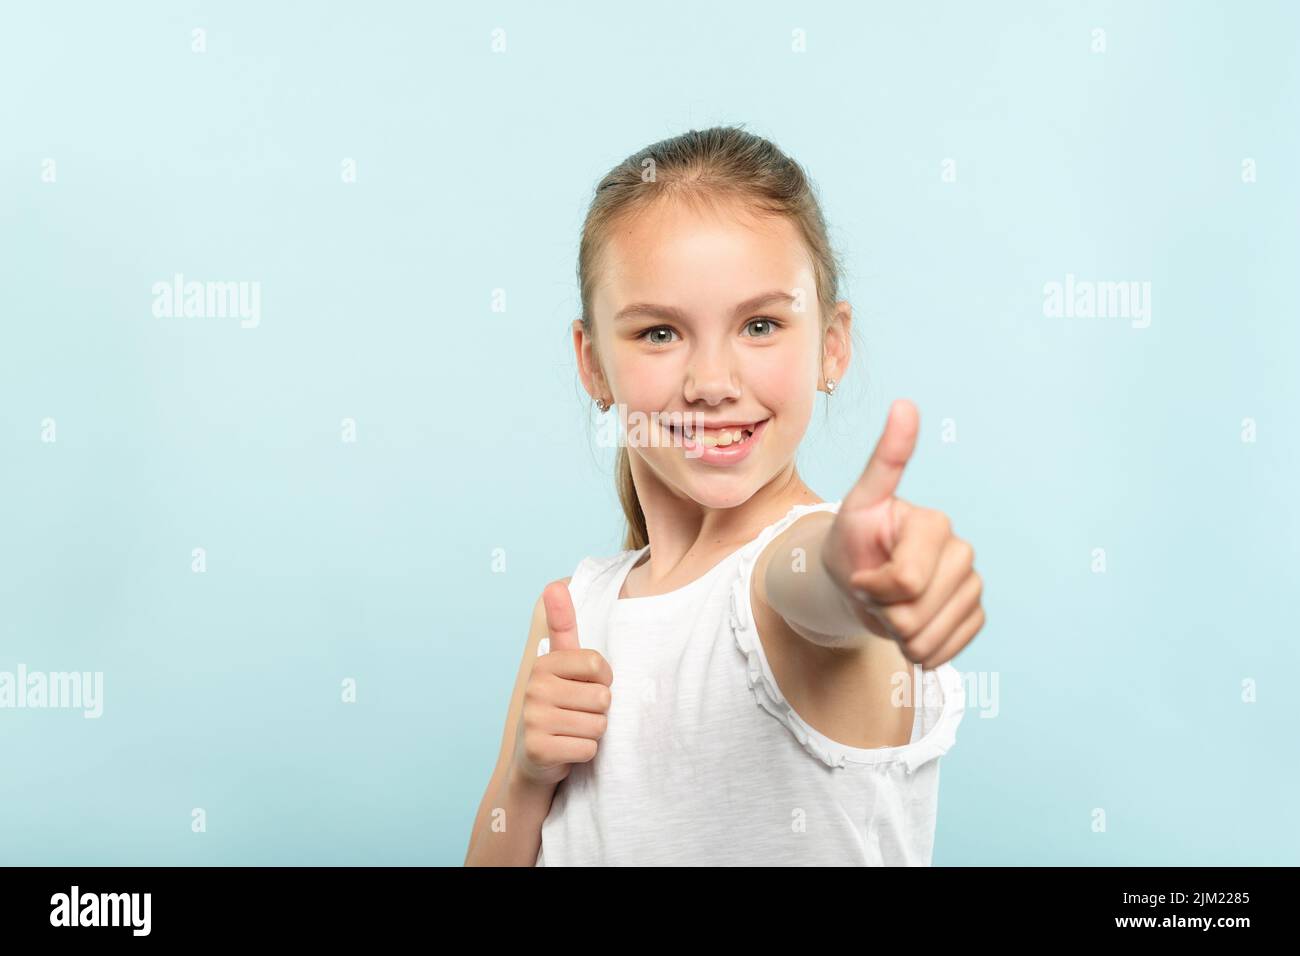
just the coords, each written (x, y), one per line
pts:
(529, 717)
(533, 747)
(907, 579)
(924, 650)
(967, 552)
(903, 621)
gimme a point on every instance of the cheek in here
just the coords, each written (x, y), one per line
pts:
(646, 385)
(787, 390)
(783, 385)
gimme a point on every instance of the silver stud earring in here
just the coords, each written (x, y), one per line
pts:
(602, 404)
(830, 386)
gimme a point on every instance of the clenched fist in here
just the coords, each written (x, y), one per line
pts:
(566, 701)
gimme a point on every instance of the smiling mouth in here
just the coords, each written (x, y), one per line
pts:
(714, 437)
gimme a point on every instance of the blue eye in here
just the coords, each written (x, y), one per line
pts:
(657, 328)
(771, 324)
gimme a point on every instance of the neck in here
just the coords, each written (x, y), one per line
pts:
(681, 530)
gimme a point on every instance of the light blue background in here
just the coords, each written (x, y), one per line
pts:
(372, 560)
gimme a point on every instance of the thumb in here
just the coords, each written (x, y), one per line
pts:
(561, 618)
(883, 471)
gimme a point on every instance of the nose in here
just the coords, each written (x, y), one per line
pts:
(710, 376)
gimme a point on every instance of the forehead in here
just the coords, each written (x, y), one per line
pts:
(699, 259)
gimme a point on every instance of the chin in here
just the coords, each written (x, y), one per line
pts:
(721, 491)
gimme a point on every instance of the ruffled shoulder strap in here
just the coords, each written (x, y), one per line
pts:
(939, 708)
(590, 572)
(594, 586)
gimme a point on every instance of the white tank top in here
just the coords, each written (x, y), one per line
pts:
(703, 761)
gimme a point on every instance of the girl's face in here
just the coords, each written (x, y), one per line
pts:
(711, 314)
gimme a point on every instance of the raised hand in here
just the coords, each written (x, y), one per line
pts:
(566, 701)
(907, 576)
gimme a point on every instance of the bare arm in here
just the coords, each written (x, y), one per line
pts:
(508, 827)
(792, 578)
(839, 676)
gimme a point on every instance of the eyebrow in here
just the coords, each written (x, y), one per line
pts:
(649, 309)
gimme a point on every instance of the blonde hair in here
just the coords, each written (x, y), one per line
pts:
(708, 166)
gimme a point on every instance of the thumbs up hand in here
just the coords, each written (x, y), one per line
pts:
(906, 575)
(566, 700)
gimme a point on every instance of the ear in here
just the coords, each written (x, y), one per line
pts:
(838, 348)
(588, 367)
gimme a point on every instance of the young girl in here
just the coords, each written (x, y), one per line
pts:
(761, 676)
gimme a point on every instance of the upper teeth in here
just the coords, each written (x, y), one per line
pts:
(715, 437)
